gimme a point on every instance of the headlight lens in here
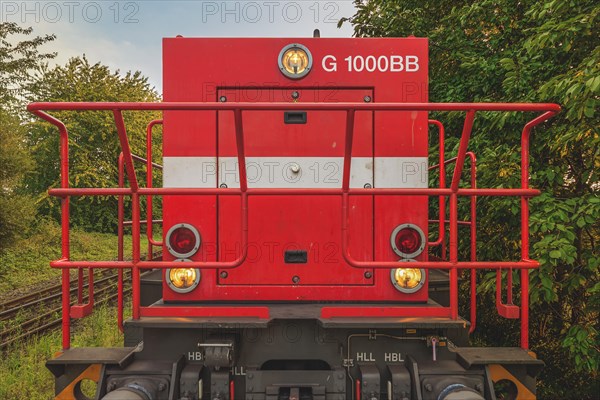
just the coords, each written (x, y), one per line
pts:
(295, 61)
(183, 280)
(183, 240)
(408, 280)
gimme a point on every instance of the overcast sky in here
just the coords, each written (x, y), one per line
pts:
(127, 35)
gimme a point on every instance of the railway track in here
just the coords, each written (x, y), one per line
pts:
(41, 324)
(11, 308)
(39, 312)
(44, 314)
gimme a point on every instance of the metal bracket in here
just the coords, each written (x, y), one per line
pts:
(400, 385)
(189, 383)
(218, 353)
(371, 382)
(219, 385)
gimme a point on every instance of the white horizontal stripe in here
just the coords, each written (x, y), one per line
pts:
(311, 172)
(295, 172)
(189, 172)
(401, 172)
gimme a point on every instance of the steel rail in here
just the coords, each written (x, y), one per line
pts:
(31, 322)
(49, 326)
(8, 313)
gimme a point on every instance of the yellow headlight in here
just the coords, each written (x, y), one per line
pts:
(183, 280)
(408, 280)
(295, 61)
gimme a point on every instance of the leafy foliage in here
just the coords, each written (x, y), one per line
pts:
(93, 141)
(16, 210)
(525, 51)
(22, 263)
(18, 61)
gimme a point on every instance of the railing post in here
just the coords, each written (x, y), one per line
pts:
(122, 133)
(460, 161)
(120, 228)
(441, 199)
(525, 224)
(135, 271)
(348, 150)
(525, 236)
(66, 248)
(149, 184)
(346, 179)
(473, 226)
(241, 149)
(135, 211)
(453, 256)
(462, 149)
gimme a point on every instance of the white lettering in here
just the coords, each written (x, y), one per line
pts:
(359, 63)
(330, 66)
(238, 371)
(412, 63)
(195, 356)
(364, 357)
(358, 67)
(396, 64)
(393, 357)
(383, 67)
(371, 63)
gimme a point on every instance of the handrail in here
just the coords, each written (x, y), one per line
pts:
(121, 223)
(231, 106)
(149, 184)
(345, 191)
(472, 224)
(442, 199)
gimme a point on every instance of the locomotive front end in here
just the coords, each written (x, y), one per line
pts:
(296, 252)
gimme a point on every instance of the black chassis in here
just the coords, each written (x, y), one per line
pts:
(294, 355)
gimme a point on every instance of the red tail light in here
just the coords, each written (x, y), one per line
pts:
(408, 240)
(183, 240)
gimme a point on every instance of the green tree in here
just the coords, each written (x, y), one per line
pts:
(525, 51)
(20, 56)
(18, 61)
(17, 211)
(93, 141)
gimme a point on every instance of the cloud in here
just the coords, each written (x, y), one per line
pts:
(127, 35)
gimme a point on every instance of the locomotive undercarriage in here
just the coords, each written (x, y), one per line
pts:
(297, 355)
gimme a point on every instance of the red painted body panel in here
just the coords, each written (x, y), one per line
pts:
(311, 223)
(246, 70)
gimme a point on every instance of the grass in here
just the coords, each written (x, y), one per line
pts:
(23, 375)
(25, 266)
(27, 262)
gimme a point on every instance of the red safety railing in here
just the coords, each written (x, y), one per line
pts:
(150, 166)
(472, 223)
(453, 192)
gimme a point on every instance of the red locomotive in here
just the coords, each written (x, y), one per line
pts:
(296, 235)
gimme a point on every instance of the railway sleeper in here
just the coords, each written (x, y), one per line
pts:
(294, 359)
